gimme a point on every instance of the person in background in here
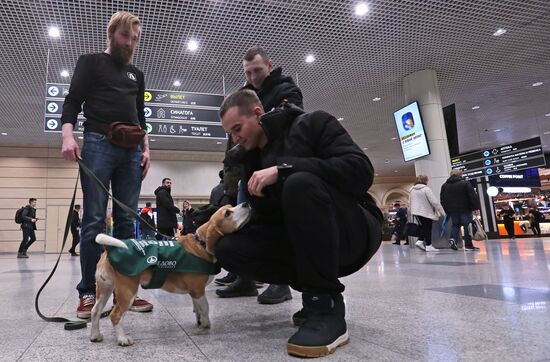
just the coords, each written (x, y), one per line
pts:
(148, 227)
(509, 217)
(75, 230)
(167, 220)
(400, 221)
(426, 208)
(535, 217)
(28, 226)
(188, 227)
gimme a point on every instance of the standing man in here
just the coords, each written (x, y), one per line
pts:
(75, 229)
(459, 200)
(509, 217)
(307, 182)
(112, 90)
(272, 88)
(400, 221)
(148, 227)
(167, 220)
(28, 226)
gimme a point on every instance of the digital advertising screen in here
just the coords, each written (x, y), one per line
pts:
(410, 130)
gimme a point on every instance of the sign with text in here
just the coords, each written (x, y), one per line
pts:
(504, 159)
(168, 113)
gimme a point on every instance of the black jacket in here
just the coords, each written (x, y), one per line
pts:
(458, 195)
(27, 215)
(75, 221)
(188, 226)
(312, 142)
(166, 210)
(275, 89)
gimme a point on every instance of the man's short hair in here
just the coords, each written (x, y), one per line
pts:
(252, 52)
(32, 199)
(166, 178)
(121, 18)
(245, 99)
(456, 172)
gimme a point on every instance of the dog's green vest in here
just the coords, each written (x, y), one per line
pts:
(164, 257)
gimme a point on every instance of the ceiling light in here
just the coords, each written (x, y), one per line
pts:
(499, 32)
(152, 140)
(80, 137)
(340, 119)
(4, 134)
(310, 59)
(376, 99)
(361, 9)
(365, 148)
(64, 73)
(537, 84)
(393, 138)
(395, 171)
(475, 107)
(547, 132)
(375, 174)
(177, 83)
(492, 191)
(54, 32)
(218, 143)
(192, 45)
(386, 161)
(497, 130)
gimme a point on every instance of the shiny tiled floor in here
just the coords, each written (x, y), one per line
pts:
(406, 305)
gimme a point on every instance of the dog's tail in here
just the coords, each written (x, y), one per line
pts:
(104, 239)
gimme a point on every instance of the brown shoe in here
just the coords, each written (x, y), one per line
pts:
(21, 255)
(84, 310)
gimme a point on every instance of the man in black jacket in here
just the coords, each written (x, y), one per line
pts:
(167, 220)
(28, 226)
(272, 88)
(307, 182)
(75, 229)
(459, 200)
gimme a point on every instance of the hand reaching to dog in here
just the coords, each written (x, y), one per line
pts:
(261, 179)
(70, 149)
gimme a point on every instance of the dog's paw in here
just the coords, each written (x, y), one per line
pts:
(203, 323)
(96, 337)
(125, 341)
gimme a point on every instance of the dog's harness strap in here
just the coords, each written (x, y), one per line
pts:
(199, 240)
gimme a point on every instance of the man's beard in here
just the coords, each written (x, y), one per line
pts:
(120, 54)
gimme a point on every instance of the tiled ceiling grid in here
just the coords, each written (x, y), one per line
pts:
(357, 59)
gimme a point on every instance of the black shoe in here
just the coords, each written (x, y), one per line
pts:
(452, 243)
(303, 314)
(406, 243)
(397, 243)
(275, 294)
(322, 332)
(241, 287)
(73, 253)
(471, 248)
(226, 280)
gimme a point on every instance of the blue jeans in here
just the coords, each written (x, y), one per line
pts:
(29, 237)
(461, 219)
(121, 168)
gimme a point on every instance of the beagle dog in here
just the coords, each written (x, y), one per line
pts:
(224, 221)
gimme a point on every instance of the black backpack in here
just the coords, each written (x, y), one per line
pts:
(19, 215)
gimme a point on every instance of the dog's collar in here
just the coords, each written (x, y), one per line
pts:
(200, 240)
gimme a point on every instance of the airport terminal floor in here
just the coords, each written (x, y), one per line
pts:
(405, 305)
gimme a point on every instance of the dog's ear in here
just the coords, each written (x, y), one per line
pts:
(213, 234)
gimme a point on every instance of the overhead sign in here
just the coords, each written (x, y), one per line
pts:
(504, 159)
(168, 113)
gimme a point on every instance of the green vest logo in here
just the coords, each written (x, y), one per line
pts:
(152, 259)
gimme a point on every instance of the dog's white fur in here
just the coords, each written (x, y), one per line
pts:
(224, 221)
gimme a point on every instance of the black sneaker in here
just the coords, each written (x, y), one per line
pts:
(226, 280)
(275, 294)
(396, 243)
(322, 332)
(241, 287)
(471, 248)
(452, 242)
(303, 314)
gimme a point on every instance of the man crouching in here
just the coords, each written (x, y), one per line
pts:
(307, 181)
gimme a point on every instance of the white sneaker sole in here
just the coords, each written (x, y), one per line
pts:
(317, 351)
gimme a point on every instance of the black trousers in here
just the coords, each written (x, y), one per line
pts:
(29, 237)
(425, 229)
(324, 235)
(535, 226)
(165, 231)
(510, 229)
(76, 240)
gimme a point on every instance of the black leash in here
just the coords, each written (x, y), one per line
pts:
(70, 324)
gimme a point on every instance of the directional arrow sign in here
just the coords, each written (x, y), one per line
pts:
(51, 123)
(52, 107)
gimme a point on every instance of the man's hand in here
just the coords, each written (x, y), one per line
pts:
(70, 149)
(261, 179)
(145, 162)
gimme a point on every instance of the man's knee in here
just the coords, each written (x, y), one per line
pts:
(300, 184)
(223, 250)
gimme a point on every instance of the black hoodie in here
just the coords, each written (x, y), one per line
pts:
(166, 210)
(458, 195)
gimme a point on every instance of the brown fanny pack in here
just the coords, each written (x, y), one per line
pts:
(125, 135)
